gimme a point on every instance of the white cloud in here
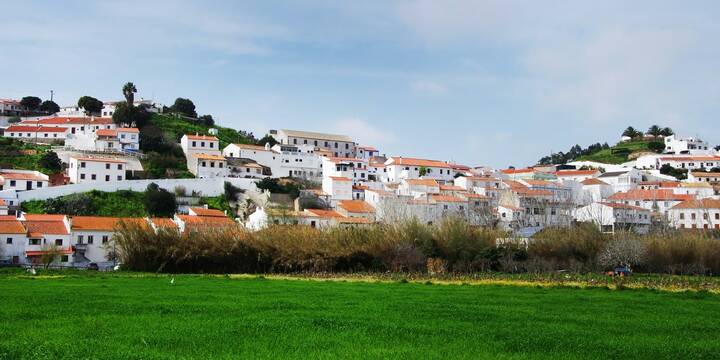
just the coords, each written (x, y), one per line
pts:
(428, 88)
(363, 132)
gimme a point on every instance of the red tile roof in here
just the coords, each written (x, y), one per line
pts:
(201, 137)
(199, 211)
(20, 128)
(12, 227)
(339, 178)
(623, 206)
(561, 173)
(356, 206)
(653, 194)
(698, 204)
(422, 182)
(446, 198)
(403, 161)
(11, 175)
(97, 159)
(593, 181)
(106, 132)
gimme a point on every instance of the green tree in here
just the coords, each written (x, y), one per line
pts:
(49, 107)
(31, 103)
(423, 171)
(129, 91)
(130, 115)
(90, 104)
(14, 120)
(657, 146)
(655, 131)
(667, 131)
(159, 202)
(207, 120)
(50, 161)
(49, 255)
(631, 132)
(267, 139)
(184, 106)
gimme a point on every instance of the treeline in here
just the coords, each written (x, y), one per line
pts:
(572, 154)
(451, 246)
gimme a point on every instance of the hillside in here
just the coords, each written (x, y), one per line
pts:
(619, 153)
(175, 128)
(15, 154)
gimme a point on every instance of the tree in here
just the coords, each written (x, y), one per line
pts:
(90, 104)
(631, 132)
(14, 120)
(207, 120)
(129, 91)
(130, 115)
(159, 202)
(679, 174)
(51, 161)
(267, 139)
(656, 146)
(49, 107)
(423, 171)
(31, 103)
(655, 131)
(622, 252)
(184, 106)
(717, 148)
(667, 131)
(49, 254)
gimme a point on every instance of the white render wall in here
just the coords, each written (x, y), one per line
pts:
(96, 167)
(206, 187)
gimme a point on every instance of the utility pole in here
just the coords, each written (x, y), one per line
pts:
(52, 92)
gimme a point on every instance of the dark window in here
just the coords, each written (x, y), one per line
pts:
(82, 176)
(82, 164)
(12, 182)
(93, 176)
(107, 177)
(64, 258)
(107, 166)
(8, 241)
(58, 242)
(119, 166)
(104, 239)
(194, 144)
(90, 239)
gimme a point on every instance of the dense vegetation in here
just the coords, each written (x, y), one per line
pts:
(15, 154)
(147, 317)
(123, 203)
(452, 246)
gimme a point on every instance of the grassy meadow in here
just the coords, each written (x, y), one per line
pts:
(143, 316)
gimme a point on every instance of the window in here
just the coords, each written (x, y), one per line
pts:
(305, 141)
(93, 177)
(105, 239)
(212, 144)
(34, 241)
(119, 178)
(294, 141)
(91, 239)
(39, 184)
(119, 166)
(194, 144)
(347, 146)
(8, 241)
(12, 182)
(80, 239)
(705, 216)
(107, 177)
(64, 258)
(717, 216)
(107, 166)
(82, 164)
(692, 216)
(682, 216)
(212, 164)
(202, 144)
(58, 242)
(445, 207)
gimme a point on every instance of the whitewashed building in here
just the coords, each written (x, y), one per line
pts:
(703, 214)
(687, 145)
(338, 145)
(95, 169)
(399, 168)
(612, 217)
(40, 134)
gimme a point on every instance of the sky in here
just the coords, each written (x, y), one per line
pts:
(495, 83)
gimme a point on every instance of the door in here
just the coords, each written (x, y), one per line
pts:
(28, 185)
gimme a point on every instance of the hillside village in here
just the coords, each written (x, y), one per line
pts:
(655, 180)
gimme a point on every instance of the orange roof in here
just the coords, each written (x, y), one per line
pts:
(9, 174)
(96, 159)
(417, 162)
(44, 217)
(593, 181)
(65, 251)
(698, 204)
(208, 157)
(705, 174)
(576, 172)
(663, 184)
(476, 196)
(653, 194)
(356, 206)
(360, 187)
(691, 158)
(533, 182)
(20, 128)
(623, 206)
(446, 198)
(100, 223)
(422, 182)
(163, 222)
(106, 132)
(195, 221)
(12, 227)
(71, 121)
(517, 171)
(199, 211)
(339, 178)
(252, 147)
(41, 227)
(201, 137)
(129, 130)
(451, 188)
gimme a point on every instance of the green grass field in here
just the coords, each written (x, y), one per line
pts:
(141, 316)
(617, 154)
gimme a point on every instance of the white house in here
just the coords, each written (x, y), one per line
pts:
(696, 214)
(339, 188)
(687, 145)
(92, 237)
(207, 165)
(622, 180)
(9, 107)
(612, 217)
(338, 145)
(593, 190)
(44, 231)
(660, 200)
(41, 134)
(399, 168)
(418, 187)
(354, 169)
(200, 144)
(21, 180)
(695, 162)
(367, 152)
(712, 178)
(74, 124)
(13, 240)
(576, 175)
(91, 169)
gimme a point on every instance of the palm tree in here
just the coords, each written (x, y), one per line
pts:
(655, 131)
(129, 91)
(631, 132)
(667, 131)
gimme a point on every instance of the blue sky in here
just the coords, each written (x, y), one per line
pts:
(478, 82)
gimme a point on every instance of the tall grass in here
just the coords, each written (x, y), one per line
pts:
(451, 246)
